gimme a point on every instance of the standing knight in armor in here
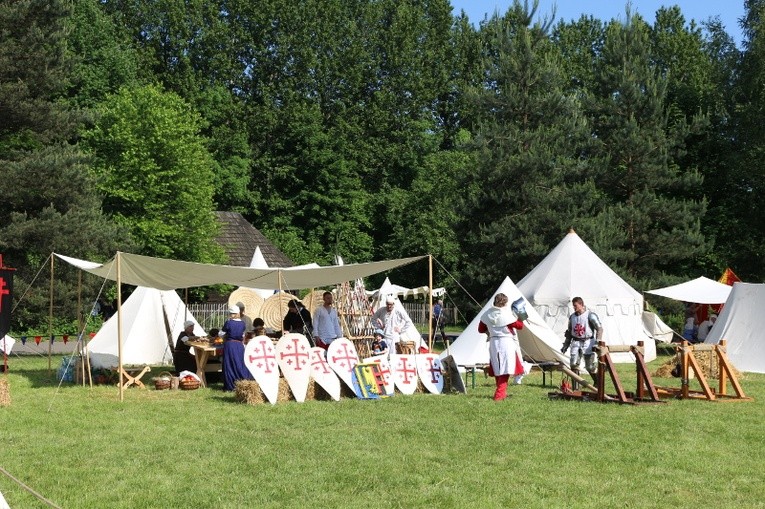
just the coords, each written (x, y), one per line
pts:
(584, 332)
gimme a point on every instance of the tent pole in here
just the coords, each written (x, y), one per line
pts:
(80, 324)
(430, 302)
(50, 317)
(119, 326)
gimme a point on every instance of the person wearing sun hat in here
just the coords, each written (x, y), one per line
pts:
(233, 350)
(183, 359)
(379, 346)
(393, 320)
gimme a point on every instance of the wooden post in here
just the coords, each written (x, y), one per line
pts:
(50, 316)
(119, 324)
(684, 369)
(721, 373)
(430, 303)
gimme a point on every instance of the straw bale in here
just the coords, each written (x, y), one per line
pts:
(249, 392)
(5, 393)
(707, 361)
(252, 301)
(313, 300)
(274, 309)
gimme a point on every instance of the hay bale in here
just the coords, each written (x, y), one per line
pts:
(313, 300)
(5, 393)
(707, 361)
(274, 308)
(249, 392)
(250, 298)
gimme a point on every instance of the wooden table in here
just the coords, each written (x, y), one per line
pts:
(202, 352)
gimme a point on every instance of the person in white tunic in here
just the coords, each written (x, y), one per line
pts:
(393, 320)
(501, 323)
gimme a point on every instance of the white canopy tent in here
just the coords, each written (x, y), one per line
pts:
(571, 270)
(741, 323)
(152, 320)
(388, 288)
(700, 290)
(165, 274)
(538, 342)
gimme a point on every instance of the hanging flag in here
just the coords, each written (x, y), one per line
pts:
(38, 339)
(728, 278)
(65, 338)
(23, 340)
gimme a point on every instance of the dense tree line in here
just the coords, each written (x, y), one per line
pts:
(380, 129)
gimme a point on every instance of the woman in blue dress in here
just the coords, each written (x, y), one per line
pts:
(233, 350)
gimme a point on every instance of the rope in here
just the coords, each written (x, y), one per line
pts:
(18, 301)
(27, 488)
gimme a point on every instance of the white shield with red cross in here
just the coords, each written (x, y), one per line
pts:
(404, 372)
(385, 371)
(429, 369)
(293, 353)
(342, 357)
(322, 373)
(260, 359)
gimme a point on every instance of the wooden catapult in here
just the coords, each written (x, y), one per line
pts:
(688, 362)
(645, 391)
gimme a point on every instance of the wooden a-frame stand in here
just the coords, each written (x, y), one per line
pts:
(645, 391)
(689, 362)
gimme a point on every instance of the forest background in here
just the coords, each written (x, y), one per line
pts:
(378, 129)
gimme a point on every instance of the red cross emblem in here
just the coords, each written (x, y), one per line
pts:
(299, 363)
(320, 362)
(268, 357)
(351, 358)
(405, 371)
(3, 291)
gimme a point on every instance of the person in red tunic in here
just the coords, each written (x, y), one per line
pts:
(500, 323)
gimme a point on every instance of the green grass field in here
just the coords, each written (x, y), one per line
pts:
(82, 448)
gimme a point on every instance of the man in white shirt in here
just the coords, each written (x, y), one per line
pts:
(326, 324)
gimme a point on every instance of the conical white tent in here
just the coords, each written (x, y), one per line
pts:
(741, 325)
(538, 342)
(151, 320)
(571, 270)
(388, 288)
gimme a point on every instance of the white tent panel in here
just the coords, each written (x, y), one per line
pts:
(741, 324)
(538, 342)
(146, 316)
(571, 270)
(700, 290)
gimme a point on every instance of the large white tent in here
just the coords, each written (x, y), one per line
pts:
(571, 270)
(742, 324)
(700, 290)
(151, 322)
(538, 342)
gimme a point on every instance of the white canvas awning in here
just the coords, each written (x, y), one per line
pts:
(700, 290)
(164, 274)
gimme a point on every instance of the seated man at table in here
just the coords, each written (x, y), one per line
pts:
(183, 359)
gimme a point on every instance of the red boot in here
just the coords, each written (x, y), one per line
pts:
(501, 392)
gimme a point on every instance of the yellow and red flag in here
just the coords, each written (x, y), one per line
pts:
(728, 278)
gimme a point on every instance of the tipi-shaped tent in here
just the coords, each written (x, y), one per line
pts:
(537, 341)
(388, 288)
(741, 324)
(151, 320)
(573, 269)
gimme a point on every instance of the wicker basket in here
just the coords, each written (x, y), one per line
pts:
(189, 385)
(162, 382)
(405, 347)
